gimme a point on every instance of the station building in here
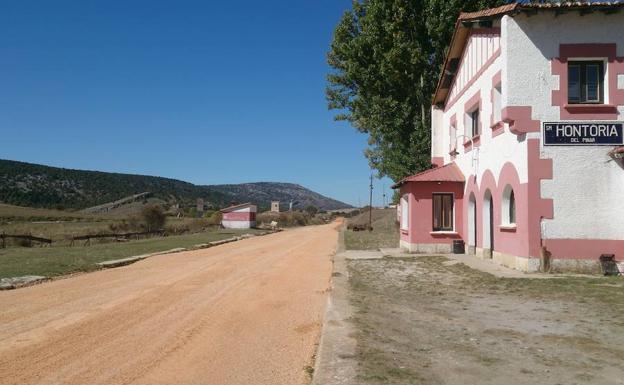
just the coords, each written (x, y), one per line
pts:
(526, 139)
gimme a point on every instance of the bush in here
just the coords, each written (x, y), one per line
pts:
(153, 216)
(311, 210)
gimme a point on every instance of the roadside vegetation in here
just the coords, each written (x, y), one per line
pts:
(156, 231)
(385, 231)
(80, 240)
(61, 260)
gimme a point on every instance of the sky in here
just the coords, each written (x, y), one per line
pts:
(208, 92)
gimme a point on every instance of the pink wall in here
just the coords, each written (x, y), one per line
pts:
(421, 211)
(239, 216)
(506, 240)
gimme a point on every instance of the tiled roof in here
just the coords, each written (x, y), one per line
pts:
(446, 173)
(503, 9)
(573, 4)
(227, 209)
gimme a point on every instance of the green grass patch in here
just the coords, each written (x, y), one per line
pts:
(55, 260)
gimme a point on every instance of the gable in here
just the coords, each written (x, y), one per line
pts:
(482, 48)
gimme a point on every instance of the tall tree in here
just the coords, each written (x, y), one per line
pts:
(386, 56)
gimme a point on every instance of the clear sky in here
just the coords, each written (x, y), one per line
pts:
(204, 91)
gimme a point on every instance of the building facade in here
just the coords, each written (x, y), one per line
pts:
(526, 136)
(241, 216)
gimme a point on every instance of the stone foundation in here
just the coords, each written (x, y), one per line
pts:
(585, 266)
(427, 248)
(526, 264)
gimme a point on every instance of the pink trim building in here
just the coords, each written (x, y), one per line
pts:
(526, 127)
(241, 216)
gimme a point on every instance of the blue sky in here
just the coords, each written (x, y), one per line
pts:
(207, 92)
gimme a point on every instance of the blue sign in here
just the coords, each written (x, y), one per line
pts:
(583, 134)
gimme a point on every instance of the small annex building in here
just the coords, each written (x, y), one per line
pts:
(241, 216)
(526, 139)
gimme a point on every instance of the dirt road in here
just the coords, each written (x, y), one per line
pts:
(243, 313)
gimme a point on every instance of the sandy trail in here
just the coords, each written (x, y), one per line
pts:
(248, 312)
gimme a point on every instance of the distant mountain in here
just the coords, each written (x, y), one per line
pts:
(27, 184)
(265, 192)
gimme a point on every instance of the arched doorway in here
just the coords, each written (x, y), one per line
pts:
(488, 224)
(472, 224)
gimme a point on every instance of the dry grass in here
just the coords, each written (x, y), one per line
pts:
(18, 213)
(52, 261)
(421, 321)
(385, 231)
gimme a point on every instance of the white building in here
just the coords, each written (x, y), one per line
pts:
(241, 216)
(526, 120)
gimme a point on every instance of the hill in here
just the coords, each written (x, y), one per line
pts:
(265, 192)
(33, 185)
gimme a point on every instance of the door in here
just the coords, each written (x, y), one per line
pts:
(472, 224)
(487, 217)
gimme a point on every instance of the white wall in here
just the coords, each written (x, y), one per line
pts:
(493, 153)
(586, 188)
(238, 224)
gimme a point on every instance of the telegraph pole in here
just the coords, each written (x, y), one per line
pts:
(370, 205)
(383, 190)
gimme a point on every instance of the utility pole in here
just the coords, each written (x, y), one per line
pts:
(370, 206)
(383, 195)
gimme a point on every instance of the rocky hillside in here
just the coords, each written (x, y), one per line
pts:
(34, 185)
(265, 192)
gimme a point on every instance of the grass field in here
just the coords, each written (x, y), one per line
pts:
(53, 261)
(385, 231)
(10, 212)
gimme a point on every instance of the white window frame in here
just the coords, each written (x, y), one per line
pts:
(405, 212)
(605, 68)
(497, 102)
(505, 202)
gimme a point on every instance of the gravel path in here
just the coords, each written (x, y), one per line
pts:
(243, 313)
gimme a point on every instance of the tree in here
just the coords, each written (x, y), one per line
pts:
(310, 209)
(153, 216)
(386, 56)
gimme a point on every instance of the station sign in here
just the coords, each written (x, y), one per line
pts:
(583, 133)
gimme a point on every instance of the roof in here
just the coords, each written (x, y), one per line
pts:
(466, 20)
(446, 173)
(235, 207)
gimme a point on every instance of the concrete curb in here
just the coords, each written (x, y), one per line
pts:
(136, 258)
(130, 260)
(335, 358)
(17, 282)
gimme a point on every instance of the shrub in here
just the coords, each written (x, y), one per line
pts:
(311, 209)
(153, 216)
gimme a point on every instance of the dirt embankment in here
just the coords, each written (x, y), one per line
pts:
(244, 313)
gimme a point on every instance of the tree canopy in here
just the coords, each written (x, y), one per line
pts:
(386, 56)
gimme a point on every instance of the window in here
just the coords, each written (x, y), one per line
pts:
(585, 82)
(496, 104)
(472, 123)
(512, 208)
(442, 212)
(509, 206)
(453, 139)
(404, 212)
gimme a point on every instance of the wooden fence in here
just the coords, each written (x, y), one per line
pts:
(25, 237)
(118, 236)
